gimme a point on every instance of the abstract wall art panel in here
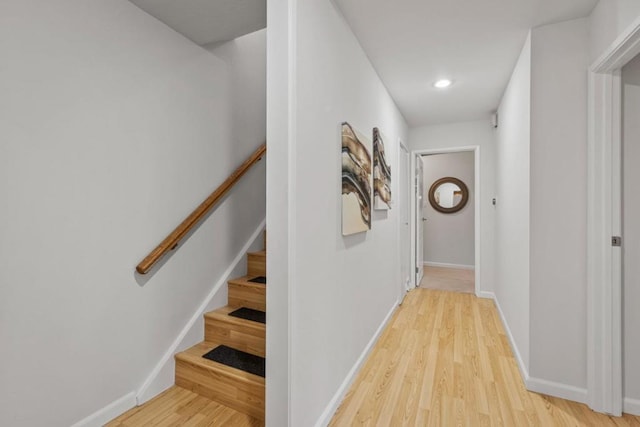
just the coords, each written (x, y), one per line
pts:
(356, 181)
(381, 173)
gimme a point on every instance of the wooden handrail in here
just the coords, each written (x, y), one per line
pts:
(172, 240)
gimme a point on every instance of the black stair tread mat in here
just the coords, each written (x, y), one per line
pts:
(259, 279)
(250, 314)
(237, 359)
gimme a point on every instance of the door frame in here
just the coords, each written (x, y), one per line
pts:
(403, 182)
(477, 191)
(604, 220)
(418, 215)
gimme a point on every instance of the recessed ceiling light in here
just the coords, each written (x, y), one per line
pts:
(441, 84)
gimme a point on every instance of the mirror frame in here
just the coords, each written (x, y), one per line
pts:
(459, 206)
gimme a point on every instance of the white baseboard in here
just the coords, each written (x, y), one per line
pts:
(631, 406)
(537, 385)
(524, 372)
(162, 375)
(333, 405)
(109, 412)
(486, 294)
(447, 265)
(563, 391)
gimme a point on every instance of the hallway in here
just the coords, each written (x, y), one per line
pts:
(445, 360)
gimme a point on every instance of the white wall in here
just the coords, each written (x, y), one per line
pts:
(559, 60)
(113, 129)
(609, 19)
(246, 58)
(340, 292)
(280, 184)
(464, 134)
(512, 210)
(449, 238)
(631, 229)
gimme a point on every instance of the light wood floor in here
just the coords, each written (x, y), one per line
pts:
(449, 279)
(180, 407)
(444, 360)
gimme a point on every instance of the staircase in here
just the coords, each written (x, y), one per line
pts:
(228, 366)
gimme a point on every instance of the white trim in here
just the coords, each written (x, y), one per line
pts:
(417, 195)
(292, 218)
(621, 51)
(109, 412)
(447, 265)
(486, 295)
(533, 384)
(333, 405)
(412, 219)
(632, 406)
(477, 197)
(555, 389)
(404, 181)
(477, 224)
(514, 348)
(147, 391)
(604, 213)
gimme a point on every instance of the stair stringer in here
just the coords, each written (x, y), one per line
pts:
(163, 374)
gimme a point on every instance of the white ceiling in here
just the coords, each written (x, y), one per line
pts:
(476, 43)
(411, 43)
(208, 21)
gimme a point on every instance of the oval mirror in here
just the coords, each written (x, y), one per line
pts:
(448, 195)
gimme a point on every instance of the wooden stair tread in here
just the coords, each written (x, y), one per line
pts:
(194, 355)
(258, 253)
(222, 314)
(244, 280)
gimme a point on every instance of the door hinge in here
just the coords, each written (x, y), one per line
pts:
(616, 241)
(417, 269)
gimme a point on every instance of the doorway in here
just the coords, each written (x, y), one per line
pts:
(446, 240)
(447, 216)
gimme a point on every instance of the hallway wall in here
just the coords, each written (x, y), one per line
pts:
(341, 289)
(113, 129)
(512, 209)
(541, 214)
(450, 238)
(559, 60)
(337, 309)
(478, 132)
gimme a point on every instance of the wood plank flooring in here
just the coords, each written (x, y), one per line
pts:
(180, 407)
(444, 360)
(448, 279)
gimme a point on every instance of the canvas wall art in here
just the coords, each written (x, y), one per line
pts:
(356, 181)
(381, 173)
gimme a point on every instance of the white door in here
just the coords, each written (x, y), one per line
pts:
(419, 197)
(404, 187)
